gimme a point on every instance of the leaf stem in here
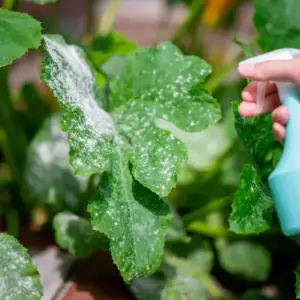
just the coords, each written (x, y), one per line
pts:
(109, 17)
(15, 141)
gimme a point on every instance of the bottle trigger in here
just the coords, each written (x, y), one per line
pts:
(260, 96)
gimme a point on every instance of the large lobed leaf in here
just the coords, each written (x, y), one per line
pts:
(90, 129)
(77, 236)
(161, 83)
(278, 24)
(18, 276)
(18, 33)
(156, 83)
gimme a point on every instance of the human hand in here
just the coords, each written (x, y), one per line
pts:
(269, 71)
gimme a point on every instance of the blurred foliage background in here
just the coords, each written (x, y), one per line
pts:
(36, 181)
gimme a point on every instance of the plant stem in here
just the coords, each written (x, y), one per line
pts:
(109, 17)
(12, 222)
(15, 141)
(218, 77)
(210, 207)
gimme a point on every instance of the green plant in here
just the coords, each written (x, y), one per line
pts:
(154, 169)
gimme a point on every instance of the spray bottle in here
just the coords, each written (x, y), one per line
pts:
(284, 181)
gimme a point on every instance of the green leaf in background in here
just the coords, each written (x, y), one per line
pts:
(278, 24)
(90, 129)
(49, 179)
(76, 235)
(42, 1)
(102, 48)
(18, 33)
(247, 260)
(18, 276)
(183, 287)
(257, 136)
(252, 208)
(37, 109)
(134, 219)
(161, 83)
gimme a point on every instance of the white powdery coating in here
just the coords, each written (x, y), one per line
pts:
(90, 128)
(16, 282)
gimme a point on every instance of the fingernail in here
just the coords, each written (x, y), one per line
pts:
(246, 69)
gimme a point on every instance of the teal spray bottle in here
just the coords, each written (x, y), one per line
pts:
(284, 181)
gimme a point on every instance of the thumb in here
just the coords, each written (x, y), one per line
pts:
(280, 70)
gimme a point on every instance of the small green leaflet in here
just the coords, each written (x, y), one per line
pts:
(247, 260)
(18, 276)
(18, 33)
(42, 1)
(256, 135)
(77, 236)
(133, 218)
(278, 24)
(48, 154)
(156, 83)
(102, 48)
(252, 207)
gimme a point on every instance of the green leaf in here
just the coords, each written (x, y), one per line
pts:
(252, 208)
(19, 33)
(256, 134)
(77, 236)
(102, 48)
(48, 154)
(246, 260)
(90, 129)
(278, 24)
(161, 83)
(183, 287)
(42, 1)
(19, 277)
(133, 218)
(129, 214)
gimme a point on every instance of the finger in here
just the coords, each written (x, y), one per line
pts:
(280, 115)
(249, 109)
(250, 91)
(280, 70)
(279, 132)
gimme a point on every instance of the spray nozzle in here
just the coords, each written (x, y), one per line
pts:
(281, 54)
